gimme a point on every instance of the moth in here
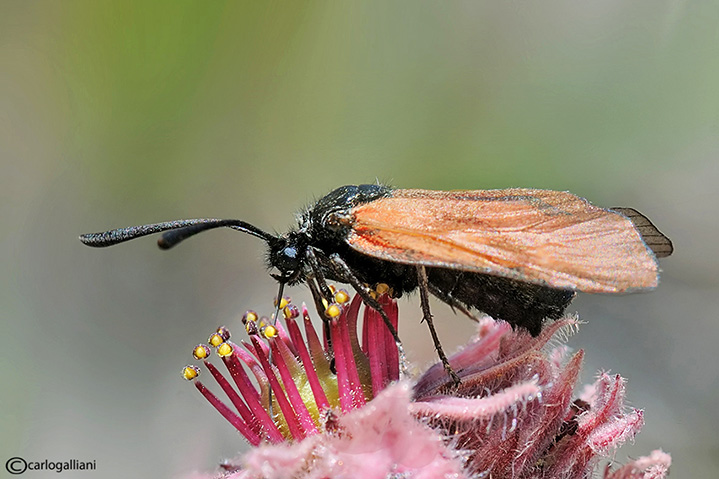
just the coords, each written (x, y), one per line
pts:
(517, 254)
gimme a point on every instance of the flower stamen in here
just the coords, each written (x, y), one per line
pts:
(295, 374)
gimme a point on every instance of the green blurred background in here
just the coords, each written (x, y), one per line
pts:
(121, 113)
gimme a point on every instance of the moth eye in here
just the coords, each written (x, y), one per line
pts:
(285, 256)
(288, 258)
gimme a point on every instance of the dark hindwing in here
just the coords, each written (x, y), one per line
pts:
(653, 238)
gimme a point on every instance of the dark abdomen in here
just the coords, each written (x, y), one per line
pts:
(521, 304)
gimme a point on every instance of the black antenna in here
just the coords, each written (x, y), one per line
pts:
(183, 229)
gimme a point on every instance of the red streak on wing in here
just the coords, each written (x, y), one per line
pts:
(545, 237)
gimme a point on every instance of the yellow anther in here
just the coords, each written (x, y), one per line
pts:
(291, 312)
(342, 296)
(215, 340)
(382, 288)
(201, 352)
(284, 302)
(333, 311)
(249, 316)
(332, 288)
(269, 331)
(224, 350)
(251, 327)
(190, 372)
(264, 321)
(224, 332)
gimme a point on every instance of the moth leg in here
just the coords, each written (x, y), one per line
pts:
(319, 276)
(365, 293)
(453, 303)
(320, 306)
(320, 293)
(427, 317)
(317, 297)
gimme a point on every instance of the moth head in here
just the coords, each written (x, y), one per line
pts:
(287, 254)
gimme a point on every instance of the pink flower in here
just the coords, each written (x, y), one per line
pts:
(512, 416)
(654, 466)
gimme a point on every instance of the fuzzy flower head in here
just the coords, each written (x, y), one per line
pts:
(336, 407)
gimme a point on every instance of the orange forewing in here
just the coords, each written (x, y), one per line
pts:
(551, 238)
